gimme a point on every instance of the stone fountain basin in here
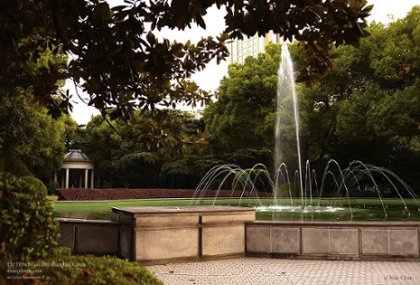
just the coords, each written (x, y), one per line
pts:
(162, 234)
(159, 234)
(334, 240)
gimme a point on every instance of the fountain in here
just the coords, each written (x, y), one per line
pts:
(159, 234)
(356, 178)
(286, 90)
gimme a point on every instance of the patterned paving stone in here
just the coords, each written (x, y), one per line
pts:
(244, 271)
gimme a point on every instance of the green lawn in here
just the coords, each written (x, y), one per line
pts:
(363, 208)
(101, 209)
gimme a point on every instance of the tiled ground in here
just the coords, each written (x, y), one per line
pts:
(264, 271)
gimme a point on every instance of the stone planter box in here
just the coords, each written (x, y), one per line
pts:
(334, 240)
(159, 234)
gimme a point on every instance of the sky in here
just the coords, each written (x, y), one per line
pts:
(384, 11)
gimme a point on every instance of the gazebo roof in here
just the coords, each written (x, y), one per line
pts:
(76, 155)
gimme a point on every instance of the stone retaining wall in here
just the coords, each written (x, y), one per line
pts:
(161, 234)
(334, 240)
(96, 237)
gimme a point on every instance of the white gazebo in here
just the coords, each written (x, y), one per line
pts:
(77, 171)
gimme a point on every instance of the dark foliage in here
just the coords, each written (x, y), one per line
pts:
(118, 60)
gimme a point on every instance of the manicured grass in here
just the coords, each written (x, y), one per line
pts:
(101, 209)
(107, 205)
(362, 208)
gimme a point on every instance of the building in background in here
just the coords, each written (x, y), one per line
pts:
(249, 46)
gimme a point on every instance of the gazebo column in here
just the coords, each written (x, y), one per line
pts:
(92, 179)
(86, 178)
(67, 178)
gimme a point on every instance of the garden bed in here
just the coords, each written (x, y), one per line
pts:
(144, 193)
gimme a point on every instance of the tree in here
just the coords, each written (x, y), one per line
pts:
(31, 142)
(132, 153)
(241, 122)
(367, 106)
(118, 60)
(102, 144)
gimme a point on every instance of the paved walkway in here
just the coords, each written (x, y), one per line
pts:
(264, 271)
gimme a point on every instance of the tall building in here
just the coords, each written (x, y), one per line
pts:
(249, 46)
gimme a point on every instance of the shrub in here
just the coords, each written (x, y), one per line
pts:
(52, 187)
(66, 270)
(27, 227)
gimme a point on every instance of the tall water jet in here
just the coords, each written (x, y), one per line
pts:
(287, 107)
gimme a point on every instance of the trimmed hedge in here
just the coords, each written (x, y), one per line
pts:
(27, 226)
(83, 270)
(127, 193)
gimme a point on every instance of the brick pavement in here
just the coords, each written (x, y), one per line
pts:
(265, 271)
